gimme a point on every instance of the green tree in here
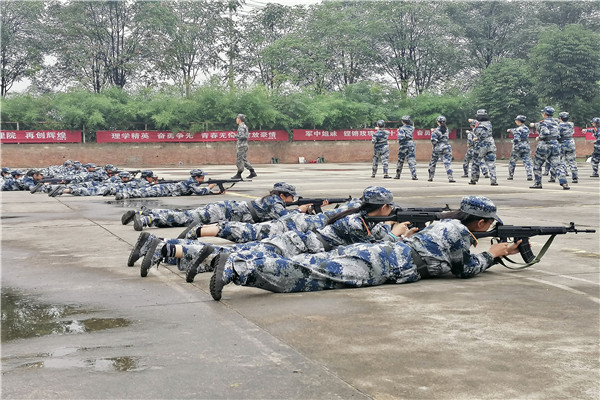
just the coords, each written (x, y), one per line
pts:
(505, 89)
(21, 48)
(564, 65)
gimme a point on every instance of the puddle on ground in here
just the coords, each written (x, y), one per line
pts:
(24, 317)
(113, 364)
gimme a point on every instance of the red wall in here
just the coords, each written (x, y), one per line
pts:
(192, 154)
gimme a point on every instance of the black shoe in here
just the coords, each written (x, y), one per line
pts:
(494, 183)
(529, 178)
(397, 176)
(252, 174)
(451, 180)
(137, 248)
(237, 176)
(594, 176)
(372, 175)
(510, 178)
(551, 180)
(472, 182)
(386, 176)
(138, 224)
(414, 178)
(36, 187)
(486, 176)
(150, 258)
(536, 186)
(565, 186)
(575, 180)
(57, 191)
(128, 217)
(465, 176)
(216, 281)
(193, 269)
(430, 180)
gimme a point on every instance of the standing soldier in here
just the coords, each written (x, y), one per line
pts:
(547, 149)
(485, 147)
(595, 131)
(567, 147)
(520, 149)
(242, 148)
(441, 148)
(470, 154)
(381, 149)
(406, 148)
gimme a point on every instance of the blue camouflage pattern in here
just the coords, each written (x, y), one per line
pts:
(381, 150)
(484, 152)
(520, 150)
(406, 150)
(441, 149)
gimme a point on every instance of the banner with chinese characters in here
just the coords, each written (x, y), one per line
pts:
(173, 137)
(40, 136)
(358, 134)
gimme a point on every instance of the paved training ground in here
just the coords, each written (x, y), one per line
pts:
(530, 334)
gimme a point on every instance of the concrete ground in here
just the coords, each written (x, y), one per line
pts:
(529, 334)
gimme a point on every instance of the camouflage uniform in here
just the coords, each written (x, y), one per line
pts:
(441, 149)
(440, 248)
(548, 150)
(596, 153)
(183, 188)
(485, 151)
(242, 148)
(520, 149)
(406, 150)
(567, 150)
(381, 151)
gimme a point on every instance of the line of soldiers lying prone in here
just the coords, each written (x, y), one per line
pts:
(361, 242)
(89, 180)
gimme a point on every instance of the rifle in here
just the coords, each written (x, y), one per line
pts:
(503, 232)
(218, 182)
(418, 217)
(51, 181)
(134, 173)
(316, 203)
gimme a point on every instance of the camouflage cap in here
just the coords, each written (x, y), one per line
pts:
(124, 174)
(90, 165)
(147, 174)
(68, 162)
(16, 172)
(197, 172)
(5, 170)
(596, 120)
(405, 118)
(377, 195)
(548, 110)
(285, 188)
(110, 167)
(479, 206)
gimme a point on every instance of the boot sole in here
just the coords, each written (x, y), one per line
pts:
(135, 252)
(147, 261)
(216, 281)
(127, 217)
(193, 269)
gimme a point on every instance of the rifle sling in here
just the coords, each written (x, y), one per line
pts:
(534, 261)
(421, 265)
(253, 213)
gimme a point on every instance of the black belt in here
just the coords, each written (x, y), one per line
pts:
(253, 213)
(421, 265)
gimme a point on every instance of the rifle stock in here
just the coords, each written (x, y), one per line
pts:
(317, 202)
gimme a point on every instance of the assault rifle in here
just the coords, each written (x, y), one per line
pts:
(50, 181)
(219, 182)
(317, 203)
(134, 173)
(503, 232)
(417, 216)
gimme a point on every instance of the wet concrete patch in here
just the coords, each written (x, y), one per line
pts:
(24, 317)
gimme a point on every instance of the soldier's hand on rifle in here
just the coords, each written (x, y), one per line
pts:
(504, 249)
(401, 229)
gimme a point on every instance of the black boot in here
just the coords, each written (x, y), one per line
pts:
(252, 174)
(237, 176)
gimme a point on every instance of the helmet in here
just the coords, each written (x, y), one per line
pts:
(548, 110)
(482, 112)
(563, 115)
(405, 118)
(596, 121)
(147, 174)
(377, 195)
(381, 123)
(124, 174)
(242, 117)
(197, 172)
(520, 118)
(441, 119)
(285, 188)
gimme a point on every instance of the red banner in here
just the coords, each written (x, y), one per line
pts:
(357, 134)
(40, 136)
(158, 136)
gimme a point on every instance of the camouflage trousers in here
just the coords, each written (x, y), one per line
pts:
(548, 151)
(240, 156)
(227, 210)
(469, 157)
(383, 154)
(407, 152)
(595, 158)
(567, 159)
(357, 266)
(522, 151)
(446, 157)
(485, 153)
